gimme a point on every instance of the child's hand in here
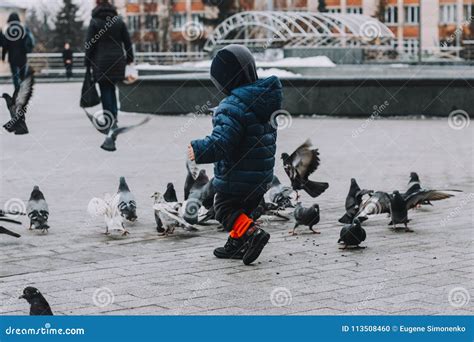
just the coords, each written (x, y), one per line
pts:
(190, 152)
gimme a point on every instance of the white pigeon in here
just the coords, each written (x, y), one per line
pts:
(168, 214)
(108, 209)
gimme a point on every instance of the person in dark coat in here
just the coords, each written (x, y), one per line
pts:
(67, 60)
(108, 50)
(15, 45)
(242, 147)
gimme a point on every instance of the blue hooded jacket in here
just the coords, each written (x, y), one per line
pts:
(242, 145)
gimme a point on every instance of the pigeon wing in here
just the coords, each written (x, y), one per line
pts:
(425, 195)
(115, 132)
(305, 160)
(23, 94)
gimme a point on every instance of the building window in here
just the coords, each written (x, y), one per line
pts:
(354, 10)
(179, 47)
(151, 22)
(334, 10)
(133, 22)
(410, 46)
(391, 15)
(447, 14)
(179, 20)
(468, 12)
(412, 14)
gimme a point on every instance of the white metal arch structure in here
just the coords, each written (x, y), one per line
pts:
(299, 29)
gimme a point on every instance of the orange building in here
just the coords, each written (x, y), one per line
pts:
(443, 22)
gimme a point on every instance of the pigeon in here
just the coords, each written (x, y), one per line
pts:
(168, 196)
(377, 203)
(37, 210)
(201, 194)
(108, 209)
(126, 204)
(415, 196)
(4, 216)
(398, 211)
(6, 231)
(38, 304)
(108, 126)
(306, 216)
(299, 165)
(168, 213)
(109, 142)
(268, 209)
(353, 201)
(18, 105)
(192, 175)
(352, 235)
(280, 194)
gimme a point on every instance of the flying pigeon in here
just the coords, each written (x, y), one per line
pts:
(4, 216)
(353, 200)
(126, 204)
(168, 213)
(352, 235)
(37, 210)
(299, 165)
(110, 128)
(280, 194)
(378, 203)
(18, 105)
(415, 196)
(306, 216)
(38, 304)
(108, 209)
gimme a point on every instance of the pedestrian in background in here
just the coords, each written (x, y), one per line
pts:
(108, 51)
(17, 41)
(68, 59)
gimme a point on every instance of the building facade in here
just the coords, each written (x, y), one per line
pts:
(183, 25)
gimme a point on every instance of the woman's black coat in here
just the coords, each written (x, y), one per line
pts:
(108, 46)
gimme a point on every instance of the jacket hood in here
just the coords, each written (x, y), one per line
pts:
(233, 67)
(103, 11)
(13, 17)
(263, 97)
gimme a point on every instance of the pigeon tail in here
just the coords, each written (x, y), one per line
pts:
(314, 189)
(123, 185)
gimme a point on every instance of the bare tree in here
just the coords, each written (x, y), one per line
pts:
(164, 26)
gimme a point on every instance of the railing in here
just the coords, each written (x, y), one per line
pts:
(44, 62)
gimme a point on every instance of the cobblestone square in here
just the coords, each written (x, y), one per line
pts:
(81, 271)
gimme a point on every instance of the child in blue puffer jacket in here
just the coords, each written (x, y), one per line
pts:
(242, 147)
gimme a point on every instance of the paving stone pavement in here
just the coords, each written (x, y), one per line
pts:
(83, 272)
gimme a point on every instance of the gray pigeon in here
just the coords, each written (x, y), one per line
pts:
(353, 201)
(378, 203)
(415, 196)
(127, 204)
(352, 235)
(280, 194)
(299, 165)
(201, 194)
(306, 217)
(37, 210)
(170, 197)
(18, 105)
(191, 176)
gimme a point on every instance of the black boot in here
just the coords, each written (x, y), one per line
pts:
(233, 249)
(255, 239)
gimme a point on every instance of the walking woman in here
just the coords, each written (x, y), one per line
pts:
(108, 50)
